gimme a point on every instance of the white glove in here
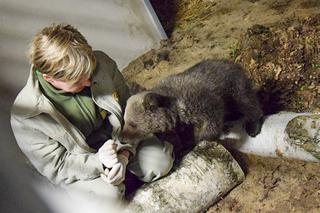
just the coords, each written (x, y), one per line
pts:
(117, 174)
(108, 154)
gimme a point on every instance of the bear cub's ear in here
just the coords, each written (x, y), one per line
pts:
(135, 88)
(152, 101)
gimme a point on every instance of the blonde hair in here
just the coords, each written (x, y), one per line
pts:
(62, 52)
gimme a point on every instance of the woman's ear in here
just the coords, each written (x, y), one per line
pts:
(47, 77)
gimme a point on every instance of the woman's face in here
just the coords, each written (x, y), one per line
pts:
(73, 87)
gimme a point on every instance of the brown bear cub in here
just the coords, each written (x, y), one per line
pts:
(204, 96)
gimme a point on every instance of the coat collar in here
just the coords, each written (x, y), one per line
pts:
(103, 90)
(30, 101)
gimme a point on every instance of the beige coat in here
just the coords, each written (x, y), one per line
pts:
(55, 147)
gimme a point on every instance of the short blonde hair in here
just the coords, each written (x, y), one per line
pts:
(63, 53)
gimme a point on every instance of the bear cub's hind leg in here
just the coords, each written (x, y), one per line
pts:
(211, 130)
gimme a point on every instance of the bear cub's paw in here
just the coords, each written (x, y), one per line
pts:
(254, 128)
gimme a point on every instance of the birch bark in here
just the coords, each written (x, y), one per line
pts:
(202, 178)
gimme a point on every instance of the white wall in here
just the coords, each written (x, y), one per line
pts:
(124, 29)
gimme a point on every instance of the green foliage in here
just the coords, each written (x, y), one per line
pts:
(316, 66)
(234, 52)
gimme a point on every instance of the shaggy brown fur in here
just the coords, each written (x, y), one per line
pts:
(203, 96)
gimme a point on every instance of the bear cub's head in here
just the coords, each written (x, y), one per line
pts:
(148, 113)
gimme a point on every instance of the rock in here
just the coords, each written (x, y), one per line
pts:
(203, 176)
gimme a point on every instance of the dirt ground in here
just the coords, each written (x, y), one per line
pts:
(278, 42)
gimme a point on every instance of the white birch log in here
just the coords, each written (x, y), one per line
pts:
(202, 178)
(286, 135)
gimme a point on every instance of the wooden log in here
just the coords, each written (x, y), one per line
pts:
(286, 135)
(204, 175)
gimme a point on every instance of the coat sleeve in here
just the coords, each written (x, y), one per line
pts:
(52, 159)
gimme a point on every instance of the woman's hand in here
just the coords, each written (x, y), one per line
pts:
(108, 154)
(117, 174)
(116, 163)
